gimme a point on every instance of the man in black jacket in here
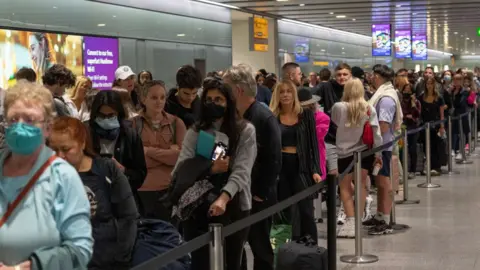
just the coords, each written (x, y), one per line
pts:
(267, 163)
(183, 101)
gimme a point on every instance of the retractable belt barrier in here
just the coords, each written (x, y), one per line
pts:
(208, 238)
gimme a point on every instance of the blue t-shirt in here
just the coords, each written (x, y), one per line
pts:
(386, 109)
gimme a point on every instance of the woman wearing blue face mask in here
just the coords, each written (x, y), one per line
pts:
(44, 210)
(112, 136)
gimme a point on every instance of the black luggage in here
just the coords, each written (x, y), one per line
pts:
(304, 254)
(420, 158)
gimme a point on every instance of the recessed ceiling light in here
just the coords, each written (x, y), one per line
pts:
(114, 16)
(101, 25)
(439, 25)
(341, 16)
(180, 35)
(473, 53)
(456, 33)
(414, 13)
(467, 38)
(282, 0)
(302, 5)
(54, 7)
(343, 48)
(399, 6)
(343, 52)
(322, 50)
(354, 19)
(331, 13)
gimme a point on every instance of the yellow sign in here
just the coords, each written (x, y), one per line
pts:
(260, 47)
(260, 28)
(320, 63)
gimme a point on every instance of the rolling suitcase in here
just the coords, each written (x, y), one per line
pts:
(304, 254)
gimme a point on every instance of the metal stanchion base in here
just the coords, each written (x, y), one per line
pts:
(399, 227)
(465, 162)
(365, 258)
(408, 202)
(429, 185)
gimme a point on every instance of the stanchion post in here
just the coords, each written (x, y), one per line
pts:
(359, 257)
(216, 247)
(475, 131)
(450, 147)
(462, 143)
(332, 221)
(405, 172)
(393, 218)
(428, 166)
(470, 134)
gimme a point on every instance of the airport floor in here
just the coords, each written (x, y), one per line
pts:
(444, 227)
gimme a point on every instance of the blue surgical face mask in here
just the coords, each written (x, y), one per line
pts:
(108, 123)
(23, 139)
(447, 78)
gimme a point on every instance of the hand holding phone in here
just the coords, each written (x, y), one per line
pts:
(220, 165)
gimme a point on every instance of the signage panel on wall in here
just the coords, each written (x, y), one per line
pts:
(101, 60)
(403, 43)
(39, 51)
(381, 43)
(258, 34)
(302, 50)
(419, 47)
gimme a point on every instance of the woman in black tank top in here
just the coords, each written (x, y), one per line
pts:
(300, 159)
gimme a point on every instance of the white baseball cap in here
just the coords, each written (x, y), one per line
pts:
(123, 72)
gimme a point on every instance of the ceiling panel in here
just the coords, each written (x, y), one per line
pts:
(448, 22)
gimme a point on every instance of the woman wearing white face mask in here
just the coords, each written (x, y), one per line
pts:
(44, 211)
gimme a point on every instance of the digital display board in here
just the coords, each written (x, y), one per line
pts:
(302, 50)
(100, 57)
(39, 51)
(381, 40)
(419, 47)
(403, 43)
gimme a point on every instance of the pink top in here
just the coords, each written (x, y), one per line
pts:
(322, 123)
(471, 98)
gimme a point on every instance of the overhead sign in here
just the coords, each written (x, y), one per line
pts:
(403, 43)
(258, 34)
(302, 50)
(419, 46)
(100, 58)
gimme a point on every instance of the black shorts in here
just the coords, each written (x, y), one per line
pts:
(367, 163)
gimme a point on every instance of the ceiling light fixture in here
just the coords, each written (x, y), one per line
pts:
(114, 16)
(414, 13)
(467, 38)
(322, 50)
(354, 19)
(180, 35)
(399, 6)
(456, 33)
(217, 4)
(282, 0)
(54, 7)
(101, 25)
(302, 5)
(331, 13)
(341, 16)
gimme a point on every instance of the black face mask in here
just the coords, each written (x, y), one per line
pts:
(407, 95)
(213, 111)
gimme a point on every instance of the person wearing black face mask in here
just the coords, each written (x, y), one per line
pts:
(230, 198)
(411, 109)
(113, 137)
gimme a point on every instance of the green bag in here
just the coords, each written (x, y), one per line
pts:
(280, 234)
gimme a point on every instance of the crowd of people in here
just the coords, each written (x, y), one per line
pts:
(80, 166)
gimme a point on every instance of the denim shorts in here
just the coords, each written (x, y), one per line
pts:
(387, 160)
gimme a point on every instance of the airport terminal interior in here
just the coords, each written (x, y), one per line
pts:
(156, 155)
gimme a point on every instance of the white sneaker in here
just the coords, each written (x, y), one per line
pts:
(459, 156)
(341, 216)
(367, 213)
(453, 153)
(347, 230)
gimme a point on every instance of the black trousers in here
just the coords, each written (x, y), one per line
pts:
(301, 216)
(259, 240)
(198, 225)
(435, 151)
(412, 152)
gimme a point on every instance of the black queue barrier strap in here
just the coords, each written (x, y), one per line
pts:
(176, 253)
(413, 131)
(381, 147)
(250, 220)
(461, 115)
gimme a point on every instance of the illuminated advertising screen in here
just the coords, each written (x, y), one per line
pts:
(39, 51)
(419, 47)
(381, 43)
(403, 43)
(100, 57)
(302, 50)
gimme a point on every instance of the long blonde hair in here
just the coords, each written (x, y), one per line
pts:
(357, 106)
(275, 105)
